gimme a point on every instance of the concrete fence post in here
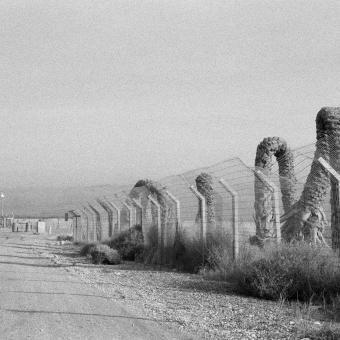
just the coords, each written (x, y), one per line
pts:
(117, 209)
(178, 208)
(178, 215)
(76, 228)
(139, 206)
(235, 211)
(130, 209)
(159, 221)
(74, 233)
(335, 223)
(88, 223)
(79, 223)
(275, 201)
(203, 212)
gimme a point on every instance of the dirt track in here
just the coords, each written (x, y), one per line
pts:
(44, 300)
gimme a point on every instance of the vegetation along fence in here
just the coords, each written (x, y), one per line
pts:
(287, 195)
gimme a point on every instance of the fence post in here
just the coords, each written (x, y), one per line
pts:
(93, 222)
(159, 221)
(138, 205)
(78, 227)
(178, 211)
(203, 212)
(234, 198)
(115, 207)
(178, 208)
(275, 200)
(74, 227)
(87, 224)
(79, 223)
(130, 213)
(335, 203)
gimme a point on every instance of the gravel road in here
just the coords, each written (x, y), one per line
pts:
(41, 299)
(49, 292)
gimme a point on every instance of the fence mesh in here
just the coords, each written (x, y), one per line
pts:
(181, 209)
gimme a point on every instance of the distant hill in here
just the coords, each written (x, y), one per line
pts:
(51, 201)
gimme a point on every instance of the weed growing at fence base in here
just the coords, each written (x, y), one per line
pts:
(326, 332)
(151, 253)
(189, 251)
(101, 253)
(87, 248)
(65, 238)
(129, 244)
(286, 271)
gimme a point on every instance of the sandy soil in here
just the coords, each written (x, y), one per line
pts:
(50, 292)
(207, 309)
(41, 299)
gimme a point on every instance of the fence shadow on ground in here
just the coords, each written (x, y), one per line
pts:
(39, 280)
(34, 265)
(87, 314)
(56, 293)
(26, 257)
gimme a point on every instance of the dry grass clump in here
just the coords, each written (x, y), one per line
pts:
(87, 248)
(189, 252)
(152, 253)
(65, 238)
(129, 244)
(101, 253)
(296, 271)
(328, 331)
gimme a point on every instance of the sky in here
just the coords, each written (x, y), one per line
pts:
(95, 92)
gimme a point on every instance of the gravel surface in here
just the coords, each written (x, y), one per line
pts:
(208, 309)
(43, 300)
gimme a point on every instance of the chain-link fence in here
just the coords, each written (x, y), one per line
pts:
(288, 195)
(216, 201)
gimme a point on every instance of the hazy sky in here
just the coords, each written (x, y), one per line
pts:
(112, 91)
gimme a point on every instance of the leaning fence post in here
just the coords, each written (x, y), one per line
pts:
(115, 207)
(74, 226)
(138, 205)
(159, 222)
(178, 207)
(234, 198)
(87, 224)
(276, 202)
(74, 231)
(80, 223)
(203, 212)
(130, 213)
(178, 213)
(335, 204)
(78, 227)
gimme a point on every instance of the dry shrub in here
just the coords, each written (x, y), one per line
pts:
(65, 238)
(152, 254)
(219, 256)
(87, 248)
(129, 244)
(328, 331)
(189, 252)
(287, 271)
(101, 253)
